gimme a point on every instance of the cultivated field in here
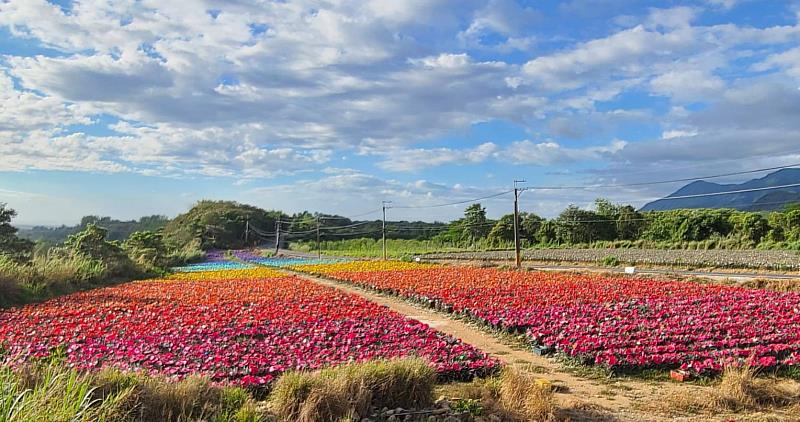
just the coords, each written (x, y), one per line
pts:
(618, 323)
(239, 326)
(258, 323)
(715, 258)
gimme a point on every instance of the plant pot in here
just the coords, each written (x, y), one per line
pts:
(679, 375)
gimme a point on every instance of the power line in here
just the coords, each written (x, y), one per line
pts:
(353, 234)
(702, 195)
(347, 226)
(452, 203)
(661, 182)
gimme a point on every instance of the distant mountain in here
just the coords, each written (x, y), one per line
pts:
(764, 200)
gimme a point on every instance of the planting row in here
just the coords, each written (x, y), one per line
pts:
(242, 326)
(715, 258)
(620, 322)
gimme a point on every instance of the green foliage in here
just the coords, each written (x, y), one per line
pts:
(117, 229)
(92, 243)
(471, 228)
(48, 275)
(576, 225)
(218, 225)
(610, 261)
(503, 230)
(366, 247)
(53, 392)
(11, 245)
(147, 249)
(471, 406)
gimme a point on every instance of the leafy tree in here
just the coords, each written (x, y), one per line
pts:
(750, 226)
(630, 223)
(12, 246)
(92, 243)
(147, 249)
(575, 225)
(530, 224)
(502, 231)
(117, 229)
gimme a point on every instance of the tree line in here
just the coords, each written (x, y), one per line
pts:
(624, 226)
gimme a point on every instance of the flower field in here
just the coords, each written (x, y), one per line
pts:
(240, 326)
(622, 323)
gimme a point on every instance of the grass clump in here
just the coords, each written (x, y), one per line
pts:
(52, 392)
(350, 391)
(521, 396)
(739, 389)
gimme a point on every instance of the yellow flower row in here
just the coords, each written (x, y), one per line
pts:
(354, 266)
(237, 274)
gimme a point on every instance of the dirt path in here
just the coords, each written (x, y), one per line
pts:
(617, 396)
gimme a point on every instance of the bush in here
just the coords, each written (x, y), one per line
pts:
(56, 273)
(610, 261)
(349, 390)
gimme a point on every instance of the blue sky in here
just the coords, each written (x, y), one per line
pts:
(129, 108)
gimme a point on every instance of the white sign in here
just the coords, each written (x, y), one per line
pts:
(630, 270)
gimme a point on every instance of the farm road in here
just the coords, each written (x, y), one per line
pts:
(617, 396)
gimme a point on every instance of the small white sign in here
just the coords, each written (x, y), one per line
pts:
(630, 270)
(417, 259)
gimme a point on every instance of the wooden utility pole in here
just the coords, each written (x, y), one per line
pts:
(517, 254)
(277, 235)
(319, 251)
(383, 227)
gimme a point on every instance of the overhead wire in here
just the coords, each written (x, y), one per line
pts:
(661, 182)
(451, 203)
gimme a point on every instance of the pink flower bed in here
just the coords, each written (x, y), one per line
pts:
(244, 332)
(619, 322)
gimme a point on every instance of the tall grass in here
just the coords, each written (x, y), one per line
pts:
(349, 391)
(46, 276)
(51, 392)
(739, 390)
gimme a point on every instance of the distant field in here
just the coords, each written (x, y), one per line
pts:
(718, 258)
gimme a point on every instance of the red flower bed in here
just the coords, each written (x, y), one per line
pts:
(619, 322)
(244, 332)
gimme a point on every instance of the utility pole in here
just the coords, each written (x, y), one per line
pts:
(517, 192)
(383, 227)
(319, 251)
(277, 235)
(247, 232)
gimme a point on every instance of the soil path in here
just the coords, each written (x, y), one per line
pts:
(617, 396)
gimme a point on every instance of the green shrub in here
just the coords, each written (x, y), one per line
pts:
(610, 261)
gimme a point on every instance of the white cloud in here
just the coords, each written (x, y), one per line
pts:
(687, 84)
(788, 60)
(417, 159)
(724, 4)
(354, 192)
(280, 88)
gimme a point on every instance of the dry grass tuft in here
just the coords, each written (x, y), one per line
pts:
(521, 396)
(777, 285)
(738, 390)
(350, 390)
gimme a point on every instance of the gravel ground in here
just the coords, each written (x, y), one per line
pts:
(756, 259)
